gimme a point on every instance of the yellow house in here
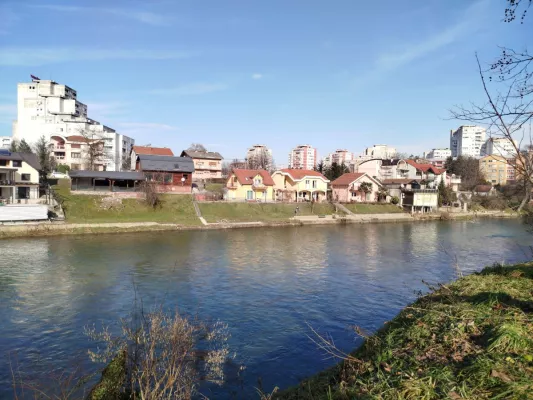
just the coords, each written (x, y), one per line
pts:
(496, 169)
(300, 185)
(250, 185)
(19, 177)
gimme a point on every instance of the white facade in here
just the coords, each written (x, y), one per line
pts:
(46, 108)
(501, 147)
(260, 150)
(468, 141)
(5, 142)
(381, 151)
(303, 157)
(438, 154)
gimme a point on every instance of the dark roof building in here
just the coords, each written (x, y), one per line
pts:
(165, 163)
(112, 175)
(206, 155)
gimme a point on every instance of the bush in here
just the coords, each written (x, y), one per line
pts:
(395, 200)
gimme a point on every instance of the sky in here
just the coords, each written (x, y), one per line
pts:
(229, 74)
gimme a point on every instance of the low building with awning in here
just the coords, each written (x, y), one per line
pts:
(110, 181)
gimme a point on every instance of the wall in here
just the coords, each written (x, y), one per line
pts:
(344, 195)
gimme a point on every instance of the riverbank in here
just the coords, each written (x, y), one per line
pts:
(65, 228)
(469, 339)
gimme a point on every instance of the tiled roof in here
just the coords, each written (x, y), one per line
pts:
(346, 179)
(154, 151)
(246, 176)
(299, 174)
(399, 181)
(425, 167)
(165, 163)
(207, 155)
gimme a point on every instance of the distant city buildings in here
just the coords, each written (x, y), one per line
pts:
(381, 151)
(501, 147)
(468, 141)
(46, 108)
(342, 157)
(496, 169)
(5, 142)
(303, 157)
(259, 156)
(438, 154)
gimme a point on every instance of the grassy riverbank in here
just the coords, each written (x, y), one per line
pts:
(363, 208)
(174, 209)
(472, 339)
(251, 212)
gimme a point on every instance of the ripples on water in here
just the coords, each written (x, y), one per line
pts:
(267, 284)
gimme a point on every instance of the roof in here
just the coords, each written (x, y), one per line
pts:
(425, 167)
(399, 181)
(207, 155)
(299, 174)
(483, 188)
(31, 159)
(346, 179)
(246, 176)
(155, 151)
(118, 175)
(165, 163)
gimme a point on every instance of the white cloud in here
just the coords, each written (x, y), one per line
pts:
(257, 76)
(34, 56)
(145, 17)
(192, 89)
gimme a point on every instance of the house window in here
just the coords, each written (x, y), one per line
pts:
(249, 195)
(25, 177)
(75, 155)
(17, 163)
(314, 184)
(167, 178)
(186, 176)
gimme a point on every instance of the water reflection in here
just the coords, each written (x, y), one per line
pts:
(265, 283)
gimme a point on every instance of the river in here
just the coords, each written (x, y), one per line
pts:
(266, 284)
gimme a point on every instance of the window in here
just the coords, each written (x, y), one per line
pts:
(17, 163)
(25, 177)
(249, 195)
(314, 184)
(75, 155)
(186, 176)
(3, 163)
(75, 146)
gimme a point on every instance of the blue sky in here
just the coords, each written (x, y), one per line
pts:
(228, 74)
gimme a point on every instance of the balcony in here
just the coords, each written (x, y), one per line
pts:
(58, 147)
(258, 186)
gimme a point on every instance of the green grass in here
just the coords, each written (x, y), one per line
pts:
(214, 187)
(373, 208)
(250, 212)
(472, 339)
(176, 209)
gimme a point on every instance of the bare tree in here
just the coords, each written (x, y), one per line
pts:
(197, 147)
(95, 153)
(261, 160)
(508, 110)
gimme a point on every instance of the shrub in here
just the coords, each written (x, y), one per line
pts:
(395, 200)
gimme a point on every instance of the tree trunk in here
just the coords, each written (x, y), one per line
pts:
(527, 195)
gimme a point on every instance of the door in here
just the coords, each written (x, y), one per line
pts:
(23, 192)
(249, 195)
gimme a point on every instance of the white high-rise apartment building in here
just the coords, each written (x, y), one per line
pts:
(501, 147)
(438, 154)
(46, 108)
(381, 151)
(468, 141)
(303, 157)
(260, 152)
(5, 142)
(341, 156)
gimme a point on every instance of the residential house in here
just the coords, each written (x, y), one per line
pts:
(250, 185)
(347, 188)
(300, 185)
(170, 174)
(420, 200)
(395, 187)
(74, 151)
(495, 169)
(148, 150)
(426, 172)
(207, 164)
(19, 177)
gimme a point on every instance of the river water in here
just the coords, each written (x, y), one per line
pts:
(266, 284)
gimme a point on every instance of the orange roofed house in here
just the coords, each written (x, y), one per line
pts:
(148, 150)
(349, 188)
(300, 185)
(250, 185)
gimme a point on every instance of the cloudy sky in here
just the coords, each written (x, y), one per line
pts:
(231, 73)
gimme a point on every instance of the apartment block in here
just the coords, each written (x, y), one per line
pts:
(303, 157)
(468, 141)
